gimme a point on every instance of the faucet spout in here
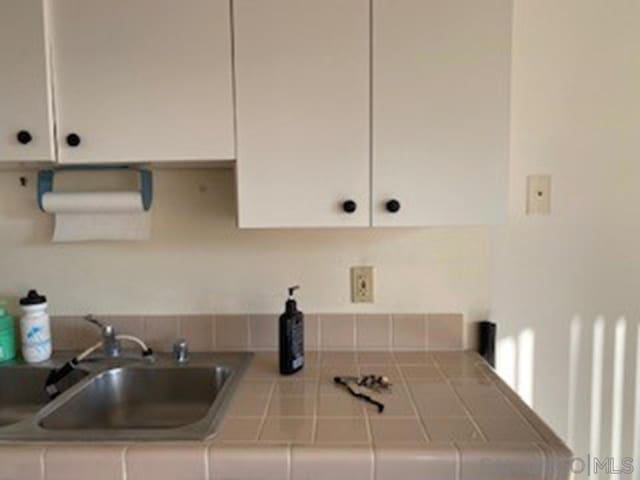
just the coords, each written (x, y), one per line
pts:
(110, 342)
(181, 351)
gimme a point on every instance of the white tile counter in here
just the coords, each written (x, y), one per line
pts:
(448, 417)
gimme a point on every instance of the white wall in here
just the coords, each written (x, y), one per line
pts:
(576, 116)
(198, 261)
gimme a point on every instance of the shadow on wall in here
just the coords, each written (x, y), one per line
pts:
(603, 388)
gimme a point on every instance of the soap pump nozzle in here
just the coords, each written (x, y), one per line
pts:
(291, 306)
(292, 290)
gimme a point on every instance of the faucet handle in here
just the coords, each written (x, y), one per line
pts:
(107, 330)
(94, 321)
(181, 350)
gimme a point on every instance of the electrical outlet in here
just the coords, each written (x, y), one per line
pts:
(362, 284)
(539, 195)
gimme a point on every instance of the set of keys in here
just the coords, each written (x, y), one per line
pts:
(375, 383)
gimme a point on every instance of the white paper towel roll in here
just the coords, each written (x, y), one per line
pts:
(84, 216)
(92, 202)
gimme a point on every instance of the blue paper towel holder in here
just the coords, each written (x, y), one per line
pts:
(45, 180)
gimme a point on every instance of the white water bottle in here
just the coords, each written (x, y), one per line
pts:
(35, 328)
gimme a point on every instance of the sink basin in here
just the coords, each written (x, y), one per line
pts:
(127, 398)
(22, 392)
(141, 398)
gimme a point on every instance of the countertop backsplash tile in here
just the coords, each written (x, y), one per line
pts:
(323, 332)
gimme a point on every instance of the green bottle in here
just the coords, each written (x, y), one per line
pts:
(7, 336)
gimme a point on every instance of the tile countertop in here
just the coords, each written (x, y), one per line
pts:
(448, 417)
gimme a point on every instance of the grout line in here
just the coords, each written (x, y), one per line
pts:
(314, 429)
(460, 400)
(319, 332)
(214, 332)
(207, 473)
(372, 452)
(409, 393)
(289, 461)
(425, 321)
(43, 469)
(354, 319)
(179, 325)
(458, 461)
(249, 336)
(123, 456)
(145, 328)
(263, 419)
(316, 407)
(368, 425)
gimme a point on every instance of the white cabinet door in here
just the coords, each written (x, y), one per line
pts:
(302, 86)
(26, 131)
(143, 80)
(441, 77)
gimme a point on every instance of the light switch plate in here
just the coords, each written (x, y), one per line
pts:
(362, 284)
(539, 195)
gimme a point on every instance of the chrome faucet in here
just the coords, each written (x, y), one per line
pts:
(110, 343)
(181, 351)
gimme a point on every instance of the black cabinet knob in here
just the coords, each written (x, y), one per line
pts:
(73, 139)
(349, 206)
(393, 206)
(24, 137)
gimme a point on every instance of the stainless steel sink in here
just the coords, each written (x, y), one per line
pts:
(126, 399)
(141, 398)
(22, 392)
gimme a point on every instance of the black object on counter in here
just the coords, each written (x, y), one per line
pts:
(291, 337)
(487, 337)
(345, 383)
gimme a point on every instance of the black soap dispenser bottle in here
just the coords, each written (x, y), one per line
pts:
(291, 336)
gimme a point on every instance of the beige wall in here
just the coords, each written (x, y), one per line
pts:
(576, 116)
(561, 285)
(199, 262)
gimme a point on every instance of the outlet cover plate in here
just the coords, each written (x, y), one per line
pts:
(362, 284)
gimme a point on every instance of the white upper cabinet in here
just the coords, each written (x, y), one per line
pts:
(302, 73)
(441, 77)
(142, 80)
(26, 128)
